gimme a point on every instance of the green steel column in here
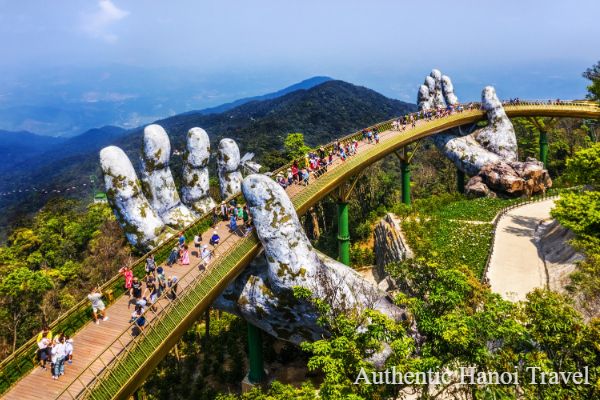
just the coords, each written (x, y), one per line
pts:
(460, 181)
(405, 169)
(257, 369)
(544, 148)
(343, 233)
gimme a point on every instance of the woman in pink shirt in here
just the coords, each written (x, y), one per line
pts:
(185, 256)
(128, 275)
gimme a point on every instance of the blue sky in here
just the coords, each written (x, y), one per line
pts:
(526, 48)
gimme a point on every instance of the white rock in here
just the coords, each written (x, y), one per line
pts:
(228, 162)
(195, 191)
(158, 180)
(141, 224)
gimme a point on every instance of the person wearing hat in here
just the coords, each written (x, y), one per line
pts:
(215, 238)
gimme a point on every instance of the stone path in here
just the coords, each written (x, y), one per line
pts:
(516, 267)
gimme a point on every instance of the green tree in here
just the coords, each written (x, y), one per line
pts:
(584, 166)
(593, 74)
(294, 146)
(21, 293)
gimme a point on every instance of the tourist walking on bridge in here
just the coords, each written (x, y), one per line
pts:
(98, 306)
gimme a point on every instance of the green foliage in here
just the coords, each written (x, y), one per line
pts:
(21, 292)
(48, 258)
(593, 74)
(294, 146)
(581, 214)
(584, 166)
(277, 391)
(449, 242)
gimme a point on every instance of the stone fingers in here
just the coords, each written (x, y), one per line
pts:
(195, 191)
(228, 163)
(499, 136)
(142, 225)
(158, 180)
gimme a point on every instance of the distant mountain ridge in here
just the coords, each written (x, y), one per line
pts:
(305, 84)
(322, 113)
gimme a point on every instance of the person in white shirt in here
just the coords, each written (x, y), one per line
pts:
(205, 256)
(42, 352)
(69, 349)
(97, 305)
(58, 358)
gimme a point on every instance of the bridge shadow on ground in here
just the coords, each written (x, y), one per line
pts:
(525, 226)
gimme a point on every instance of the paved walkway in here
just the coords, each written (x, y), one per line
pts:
(516, 267)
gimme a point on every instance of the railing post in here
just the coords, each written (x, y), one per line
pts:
(343, 233)
(405, 172)
(460, 181)
(544, 148)
(257, 370)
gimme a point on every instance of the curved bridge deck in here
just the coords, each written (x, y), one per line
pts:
(111, 363)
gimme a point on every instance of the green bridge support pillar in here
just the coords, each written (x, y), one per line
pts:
(405, 171)
(544, 148)
(343, 233)
(255, 348)
(460, 181)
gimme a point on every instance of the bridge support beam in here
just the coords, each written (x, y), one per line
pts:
(255, 353)
(460, 181)
(405, 172)
(343, 233)
(544, 148)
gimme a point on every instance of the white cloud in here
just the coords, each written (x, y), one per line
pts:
(98, 23)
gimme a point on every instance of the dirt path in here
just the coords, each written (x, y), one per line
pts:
(516, 267)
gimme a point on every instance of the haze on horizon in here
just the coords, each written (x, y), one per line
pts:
(145, 60)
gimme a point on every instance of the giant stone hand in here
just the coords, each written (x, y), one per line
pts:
(263, 293)
(149, 209)
(489, 154)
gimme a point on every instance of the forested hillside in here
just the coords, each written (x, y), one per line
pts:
(323, 112)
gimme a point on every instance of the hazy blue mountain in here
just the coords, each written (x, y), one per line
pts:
(16, 147)
(305, 84)
(322, 113)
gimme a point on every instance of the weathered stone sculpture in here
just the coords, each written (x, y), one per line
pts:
(147, 221)
(263, 294)
(195, 190)
(158, 180)
(488, 155)
(142, 225)
(228, 161)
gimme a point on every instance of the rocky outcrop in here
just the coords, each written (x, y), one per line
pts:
(390, 245)
(488, 154)
(509, 178)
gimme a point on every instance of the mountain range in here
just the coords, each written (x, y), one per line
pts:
(322, 112)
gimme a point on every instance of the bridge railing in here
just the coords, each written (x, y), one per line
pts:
(18, 363)
(133, 345)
